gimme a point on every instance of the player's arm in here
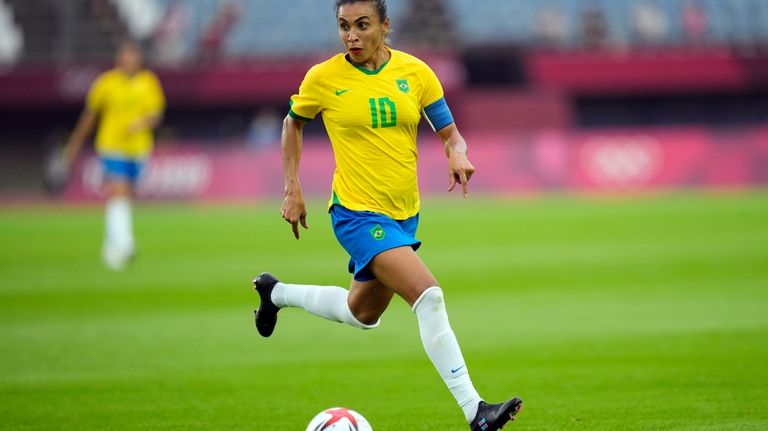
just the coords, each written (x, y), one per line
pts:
(439, 116)
(94, 104)
(293, 210)
(460, 170)
(85, 126)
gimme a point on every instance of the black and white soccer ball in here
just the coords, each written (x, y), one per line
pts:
(339, 419)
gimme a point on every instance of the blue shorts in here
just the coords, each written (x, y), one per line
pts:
(122, 169)
(365, 234)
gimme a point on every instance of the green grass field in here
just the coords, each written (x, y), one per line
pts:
(644, 313)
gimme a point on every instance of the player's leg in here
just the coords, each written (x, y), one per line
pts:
(118, 236)
(360, 306)
(368, 300)
(402, 270)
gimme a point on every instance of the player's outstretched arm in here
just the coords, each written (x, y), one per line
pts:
(85, 126)
(460, 170)
(293, 210)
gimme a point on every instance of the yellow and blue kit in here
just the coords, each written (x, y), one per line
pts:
(119, 100)
(372, 119)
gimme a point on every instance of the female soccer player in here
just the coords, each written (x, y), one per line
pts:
(128, 102)
(371, 99)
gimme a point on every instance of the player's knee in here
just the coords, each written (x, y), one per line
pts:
(430, 298)
(120, 189)
(368, 317)
(417, 289)
(365, 319)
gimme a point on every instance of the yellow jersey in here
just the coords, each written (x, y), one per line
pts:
(371, 118)
(119, 100)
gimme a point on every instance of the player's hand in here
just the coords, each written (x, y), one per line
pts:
(57, 170)
(293, 211)
(69, 154)
(460, 170)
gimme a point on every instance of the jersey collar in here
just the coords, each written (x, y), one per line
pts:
(371, 72)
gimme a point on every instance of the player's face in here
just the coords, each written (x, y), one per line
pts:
(129, 59)
(361, 31)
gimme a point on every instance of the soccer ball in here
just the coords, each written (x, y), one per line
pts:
(339, 419)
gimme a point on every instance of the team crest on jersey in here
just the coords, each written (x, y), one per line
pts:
(402, 85)
(378, 232)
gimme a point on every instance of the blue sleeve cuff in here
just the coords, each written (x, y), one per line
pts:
(439, 115)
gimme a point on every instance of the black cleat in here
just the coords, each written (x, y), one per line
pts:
(266, 314)
(493, 417)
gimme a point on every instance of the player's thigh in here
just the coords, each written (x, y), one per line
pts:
(118, 187)
(402, 270)
(121, 176)
(368, 299)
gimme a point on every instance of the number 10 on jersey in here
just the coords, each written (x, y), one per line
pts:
(383, 112)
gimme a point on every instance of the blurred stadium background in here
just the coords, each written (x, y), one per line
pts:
(644, 310)
(566, 94)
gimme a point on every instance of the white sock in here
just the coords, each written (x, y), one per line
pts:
(119, 226)
(329, 302)
(443, 349)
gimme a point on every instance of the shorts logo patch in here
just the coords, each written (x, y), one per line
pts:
(378, 232)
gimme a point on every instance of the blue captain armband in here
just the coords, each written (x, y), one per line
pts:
(438, 115)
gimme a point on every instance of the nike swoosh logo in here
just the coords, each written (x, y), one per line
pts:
(453, 371)
(340, 92)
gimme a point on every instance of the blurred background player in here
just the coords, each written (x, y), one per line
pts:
(128, 103)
